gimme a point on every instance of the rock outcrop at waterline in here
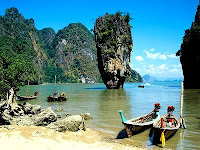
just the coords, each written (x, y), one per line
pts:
(34, 115)
(190, 54)
(114, 44)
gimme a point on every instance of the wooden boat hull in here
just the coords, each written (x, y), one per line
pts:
(26, 97)
(140, 86)
(169, 130)
(138, 125)
(155, 134)
(60, 98)
(51, 98)
(135, 129)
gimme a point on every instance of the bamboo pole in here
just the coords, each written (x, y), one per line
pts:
(55, 83)
(182, 121)
(28, 88)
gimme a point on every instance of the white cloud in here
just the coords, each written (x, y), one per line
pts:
(164, 57)
(178, 66)
(158, 68)
(172, 56)
(163, 70)
(163, 67)
(158, 55)
(152, 49)
(139, 58)
(174, 70)
(155, 55)
(152, 55)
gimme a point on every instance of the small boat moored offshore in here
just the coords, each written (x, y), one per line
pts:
(62, 96)
(164, 128)
(140, 124)
(27, 97)
(141, 86)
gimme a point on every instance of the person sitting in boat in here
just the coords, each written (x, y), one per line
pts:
(36, 92)
(62, 94)
(170, 109)
(170, 117)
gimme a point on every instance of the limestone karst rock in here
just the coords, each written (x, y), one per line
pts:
(190, 54)
(114, 45)
(70, 53)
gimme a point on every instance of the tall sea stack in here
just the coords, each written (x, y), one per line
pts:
(190, 54)
(114, 45)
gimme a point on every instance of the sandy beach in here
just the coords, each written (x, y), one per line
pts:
(41, 138)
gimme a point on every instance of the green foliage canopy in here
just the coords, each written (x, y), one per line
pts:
(14, 66)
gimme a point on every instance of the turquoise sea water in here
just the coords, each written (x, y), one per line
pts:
(103, 104)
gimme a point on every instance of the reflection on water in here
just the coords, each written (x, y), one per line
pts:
(104, 104)
(191, 115)
(109, 102)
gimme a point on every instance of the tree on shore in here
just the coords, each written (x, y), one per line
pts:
(14, 68)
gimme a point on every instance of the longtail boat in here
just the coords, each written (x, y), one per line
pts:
(140, 124)
(54, 97)
(164, 128)
(140, 86)
(27, 97)
(62, 97)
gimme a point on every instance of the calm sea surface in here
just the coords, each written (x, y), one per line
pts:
(103, 104)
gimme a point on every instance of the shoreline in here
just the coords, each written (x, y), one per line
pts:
(37, 137)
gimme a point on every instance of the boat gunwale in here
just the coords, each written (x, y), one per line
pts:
(166, 128)
(20, 98)
(129, 122)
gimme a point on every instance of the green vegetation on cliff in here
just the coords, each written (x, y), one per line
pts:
(75, 55)
(37, 55)
(134, 77)
(71, 53)
(15, 65)
(114, 45)
(108, 33)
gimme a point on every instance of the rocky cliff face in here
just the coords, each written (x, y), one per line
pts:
(70, 53)
(190, 54)
(46, 38)
(20, 36)
(114, 44)
(134, 77)
(76, 54)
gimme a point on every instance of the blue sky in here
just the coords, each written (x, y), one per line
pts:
(157, 26)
